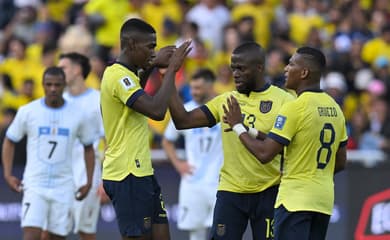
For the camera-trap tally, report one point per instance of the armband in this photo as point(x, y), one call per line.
point(253, 132)
point(239, 129)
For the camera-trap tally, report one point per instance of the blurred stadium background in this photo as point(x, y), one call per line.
point(354, 34)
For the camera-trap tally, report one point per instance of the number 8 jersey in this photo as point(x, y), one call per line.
point(51, 133)
point(313, 128)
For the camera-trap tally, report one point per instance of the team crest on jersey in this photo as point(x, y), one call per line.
point(280, 121)
point(221, 229)
point(265, 106)
point(127, 83)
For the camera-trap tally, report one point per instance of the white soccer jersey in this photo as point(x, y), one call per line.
point(89, 101)
point(51, 134)
point(203, 148)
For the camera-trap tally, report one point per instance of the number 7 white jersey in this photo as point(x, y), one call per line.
point(51, 133)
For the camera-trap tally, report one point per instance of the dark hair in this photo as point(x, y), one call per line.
point(80, 60)
point(316, 56)
point(253, 50)
point(49, 47)
point(135, 25)
point(204, 73)
point(56, 71)
point(131, 28)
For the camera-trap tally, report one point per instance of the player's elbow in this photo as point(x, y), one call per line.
point(265, 157)
point(157, 116)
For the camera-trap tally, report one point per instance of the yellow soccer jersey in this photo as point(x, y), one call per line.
point(241, 171)
point(126, 130)
point(313, 128)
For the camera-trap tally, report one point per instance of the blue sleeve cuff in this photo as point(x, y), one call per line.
point(279, 139)
point(134, 97)
point(209, 115)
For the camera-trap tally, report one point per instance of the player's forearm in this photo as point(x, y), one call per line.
point(255, 147)
point(159, 103)
point(8, 150)
point(144, 75)
point(341, 159)
point(89, 156)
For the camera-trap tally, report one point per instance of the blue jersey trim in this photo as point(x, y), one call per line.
point(343, 143)
point(279, 139)
point(134, 97)
point(209, 115)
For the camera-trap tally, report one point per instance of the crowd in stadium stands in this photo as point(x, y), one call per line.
point(354, 34)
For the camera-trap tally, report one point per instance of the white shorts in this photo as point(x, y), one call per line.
point(196, 206)
point(46, 213)
point(86, 213)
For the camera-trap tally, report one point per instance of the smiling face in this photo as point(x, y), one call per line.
point(244, 73)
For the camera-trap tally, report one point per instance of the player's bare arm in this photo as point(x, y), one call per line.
point(8, 155)
point(341, 159)
point(156, 106)
point(89, 156)
point(264, 150)
point(184, 119)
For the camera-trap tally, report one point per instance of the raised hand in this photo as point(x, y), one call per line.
point(163, 56)
point(232, 112)
point(179, 55)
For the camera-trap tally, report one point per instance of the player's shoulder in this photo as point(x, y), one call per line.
point(118, 70)
point(286, 93)
point(32, 106)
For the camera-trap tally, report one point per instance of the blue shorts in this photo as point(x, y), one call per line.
point(138, 204)
point(233, 211)
point(300, 225)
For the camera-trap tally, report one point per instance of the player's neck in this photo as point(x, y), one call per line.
point(309, 87)
point(77, 88)
point(131, 66)
point(55, 103)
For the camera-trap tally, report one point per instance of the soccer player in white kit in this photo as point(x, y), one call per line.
point(86, 212)
point(52, 125)
point(204, 157)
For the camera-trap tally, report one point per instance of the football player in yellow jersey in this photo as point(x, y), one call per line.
point(247, 189)
point(127, 167)
point(312, 128)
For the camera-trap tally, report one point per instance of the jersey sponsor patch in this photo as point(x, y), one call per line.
point(127, 83)
point(280, 121)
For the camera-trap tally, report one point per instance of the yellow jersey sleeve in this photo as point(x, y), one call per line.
point(126, 130)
